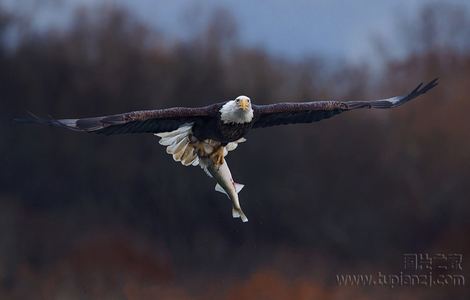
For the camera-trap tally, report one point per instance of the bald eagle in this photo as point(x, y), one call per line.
point(194, 135)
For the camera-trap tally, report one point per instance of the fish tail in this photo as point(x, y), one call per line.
point(235, 213)
point(238, 213)
point(242, 216)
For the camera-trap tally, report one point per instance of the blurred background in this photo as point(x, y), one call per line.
point(95, 217)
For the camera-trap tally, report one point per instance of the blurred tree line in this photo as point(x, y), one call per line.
point(362, 186)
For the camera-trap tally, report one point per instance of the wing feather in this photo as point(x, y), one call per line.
point(160, 120)
point(308, 112)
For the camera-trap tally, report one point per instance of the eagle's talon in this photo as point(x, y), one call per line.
point(218, 157)
point(220, 160)
point(199, 149)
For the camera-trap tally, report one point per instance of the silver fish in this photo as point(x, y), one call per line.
point(225, 184)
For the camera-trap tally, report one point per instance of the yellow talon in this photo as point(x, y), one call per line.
point(218, 156)
point(199, 148)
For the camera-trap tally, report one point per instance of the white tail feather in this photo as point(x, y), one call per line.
point(178, 144)
point(168, 141)
point(189, 156)
point(181, 145)
point(176, 147)
point(180, 150)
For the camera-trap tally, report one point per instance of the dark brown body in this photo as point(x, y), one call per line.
point(215, 129)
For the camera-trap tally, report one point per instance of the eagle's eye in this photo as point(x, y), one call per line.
point(238, 100)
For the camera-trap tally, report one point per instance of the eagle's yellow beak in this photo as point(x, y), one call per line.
point(244, 104)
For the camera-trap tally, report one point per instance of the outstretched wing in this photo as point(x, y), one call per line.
point(308, 112)
point(160, 120)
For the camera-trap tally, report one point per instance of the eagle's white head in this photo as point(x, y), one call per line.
point(237, 111)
